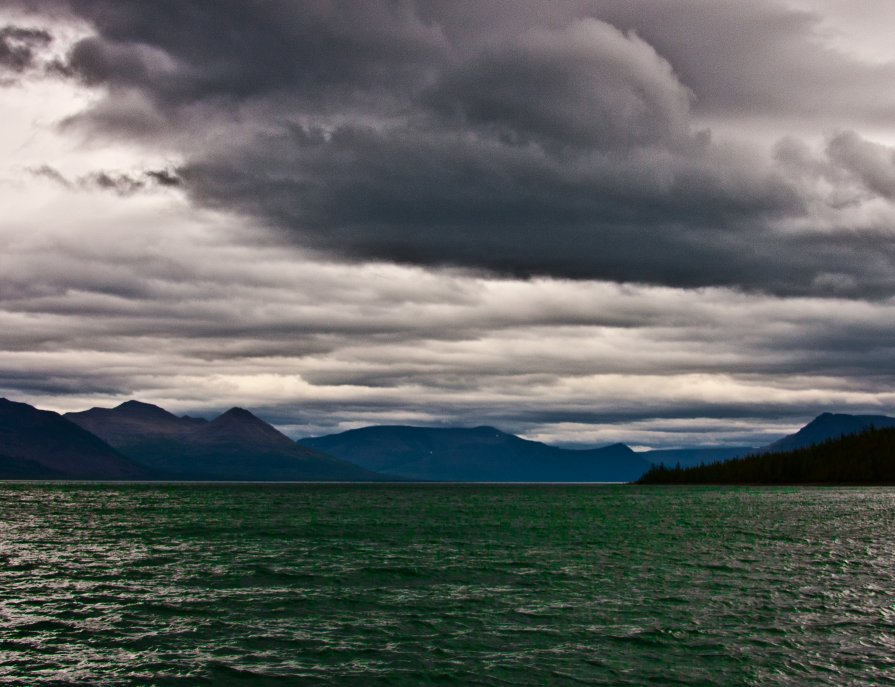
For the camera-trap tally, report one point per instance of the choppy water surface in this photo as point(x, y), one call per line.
point(374, 584)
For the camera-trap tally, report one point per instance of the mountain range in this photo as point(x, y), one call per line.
point(233, 446)
point(41, 444)
point(480, 454)
point(141, 441)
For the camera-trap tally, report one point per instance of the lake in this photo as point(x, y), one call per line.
point(311, 584)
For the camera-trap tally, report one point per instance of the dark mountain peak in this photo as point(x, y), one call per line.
point(135, 404)
point(240, 418)
point(238, 414)
point(138, 409)
point(827, 418)
point(240, 426)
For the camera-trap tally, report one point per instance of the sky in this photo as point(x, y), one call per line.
point(664, 223)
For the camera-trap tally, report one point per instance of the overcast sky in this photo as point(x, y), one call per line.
point(664, 223)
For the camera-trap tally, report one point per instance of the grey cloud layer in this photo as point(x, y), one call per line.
point(508, 138)
point(174, 315)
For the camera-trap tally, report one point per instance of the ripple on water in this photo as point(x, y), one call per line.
point(410, 584)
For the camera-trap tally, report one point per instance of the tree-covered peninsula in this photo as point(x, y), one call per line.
point(866, 458)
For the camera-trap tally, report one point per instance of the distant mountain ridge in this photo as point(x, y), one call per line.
point(476, 454)
point(236, 445)
point(41, 444)
point(487, 454)
point(137, 440)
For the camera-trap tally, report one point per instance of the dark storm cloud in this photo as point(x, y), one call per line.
point(587, 85)
point(236, 50)
point(422, 199)
point(19, 47)
point(505, 136)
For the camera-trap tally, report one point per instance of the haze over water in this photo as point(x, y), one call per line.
point(425, 584)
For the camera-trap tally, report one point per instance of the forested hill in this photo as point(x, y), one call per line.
point(866, 458)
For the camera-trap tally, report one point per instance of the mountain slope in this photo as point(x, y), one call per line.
point(828, 426)
point(477, 454)
point(40, 444)
point(866, 458)
point(234, 446)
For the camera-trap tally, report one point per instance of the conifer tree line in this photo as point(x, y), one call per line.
point(866, 458)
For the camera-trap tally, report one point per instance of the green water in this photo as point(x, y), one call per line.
point(416, 584)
